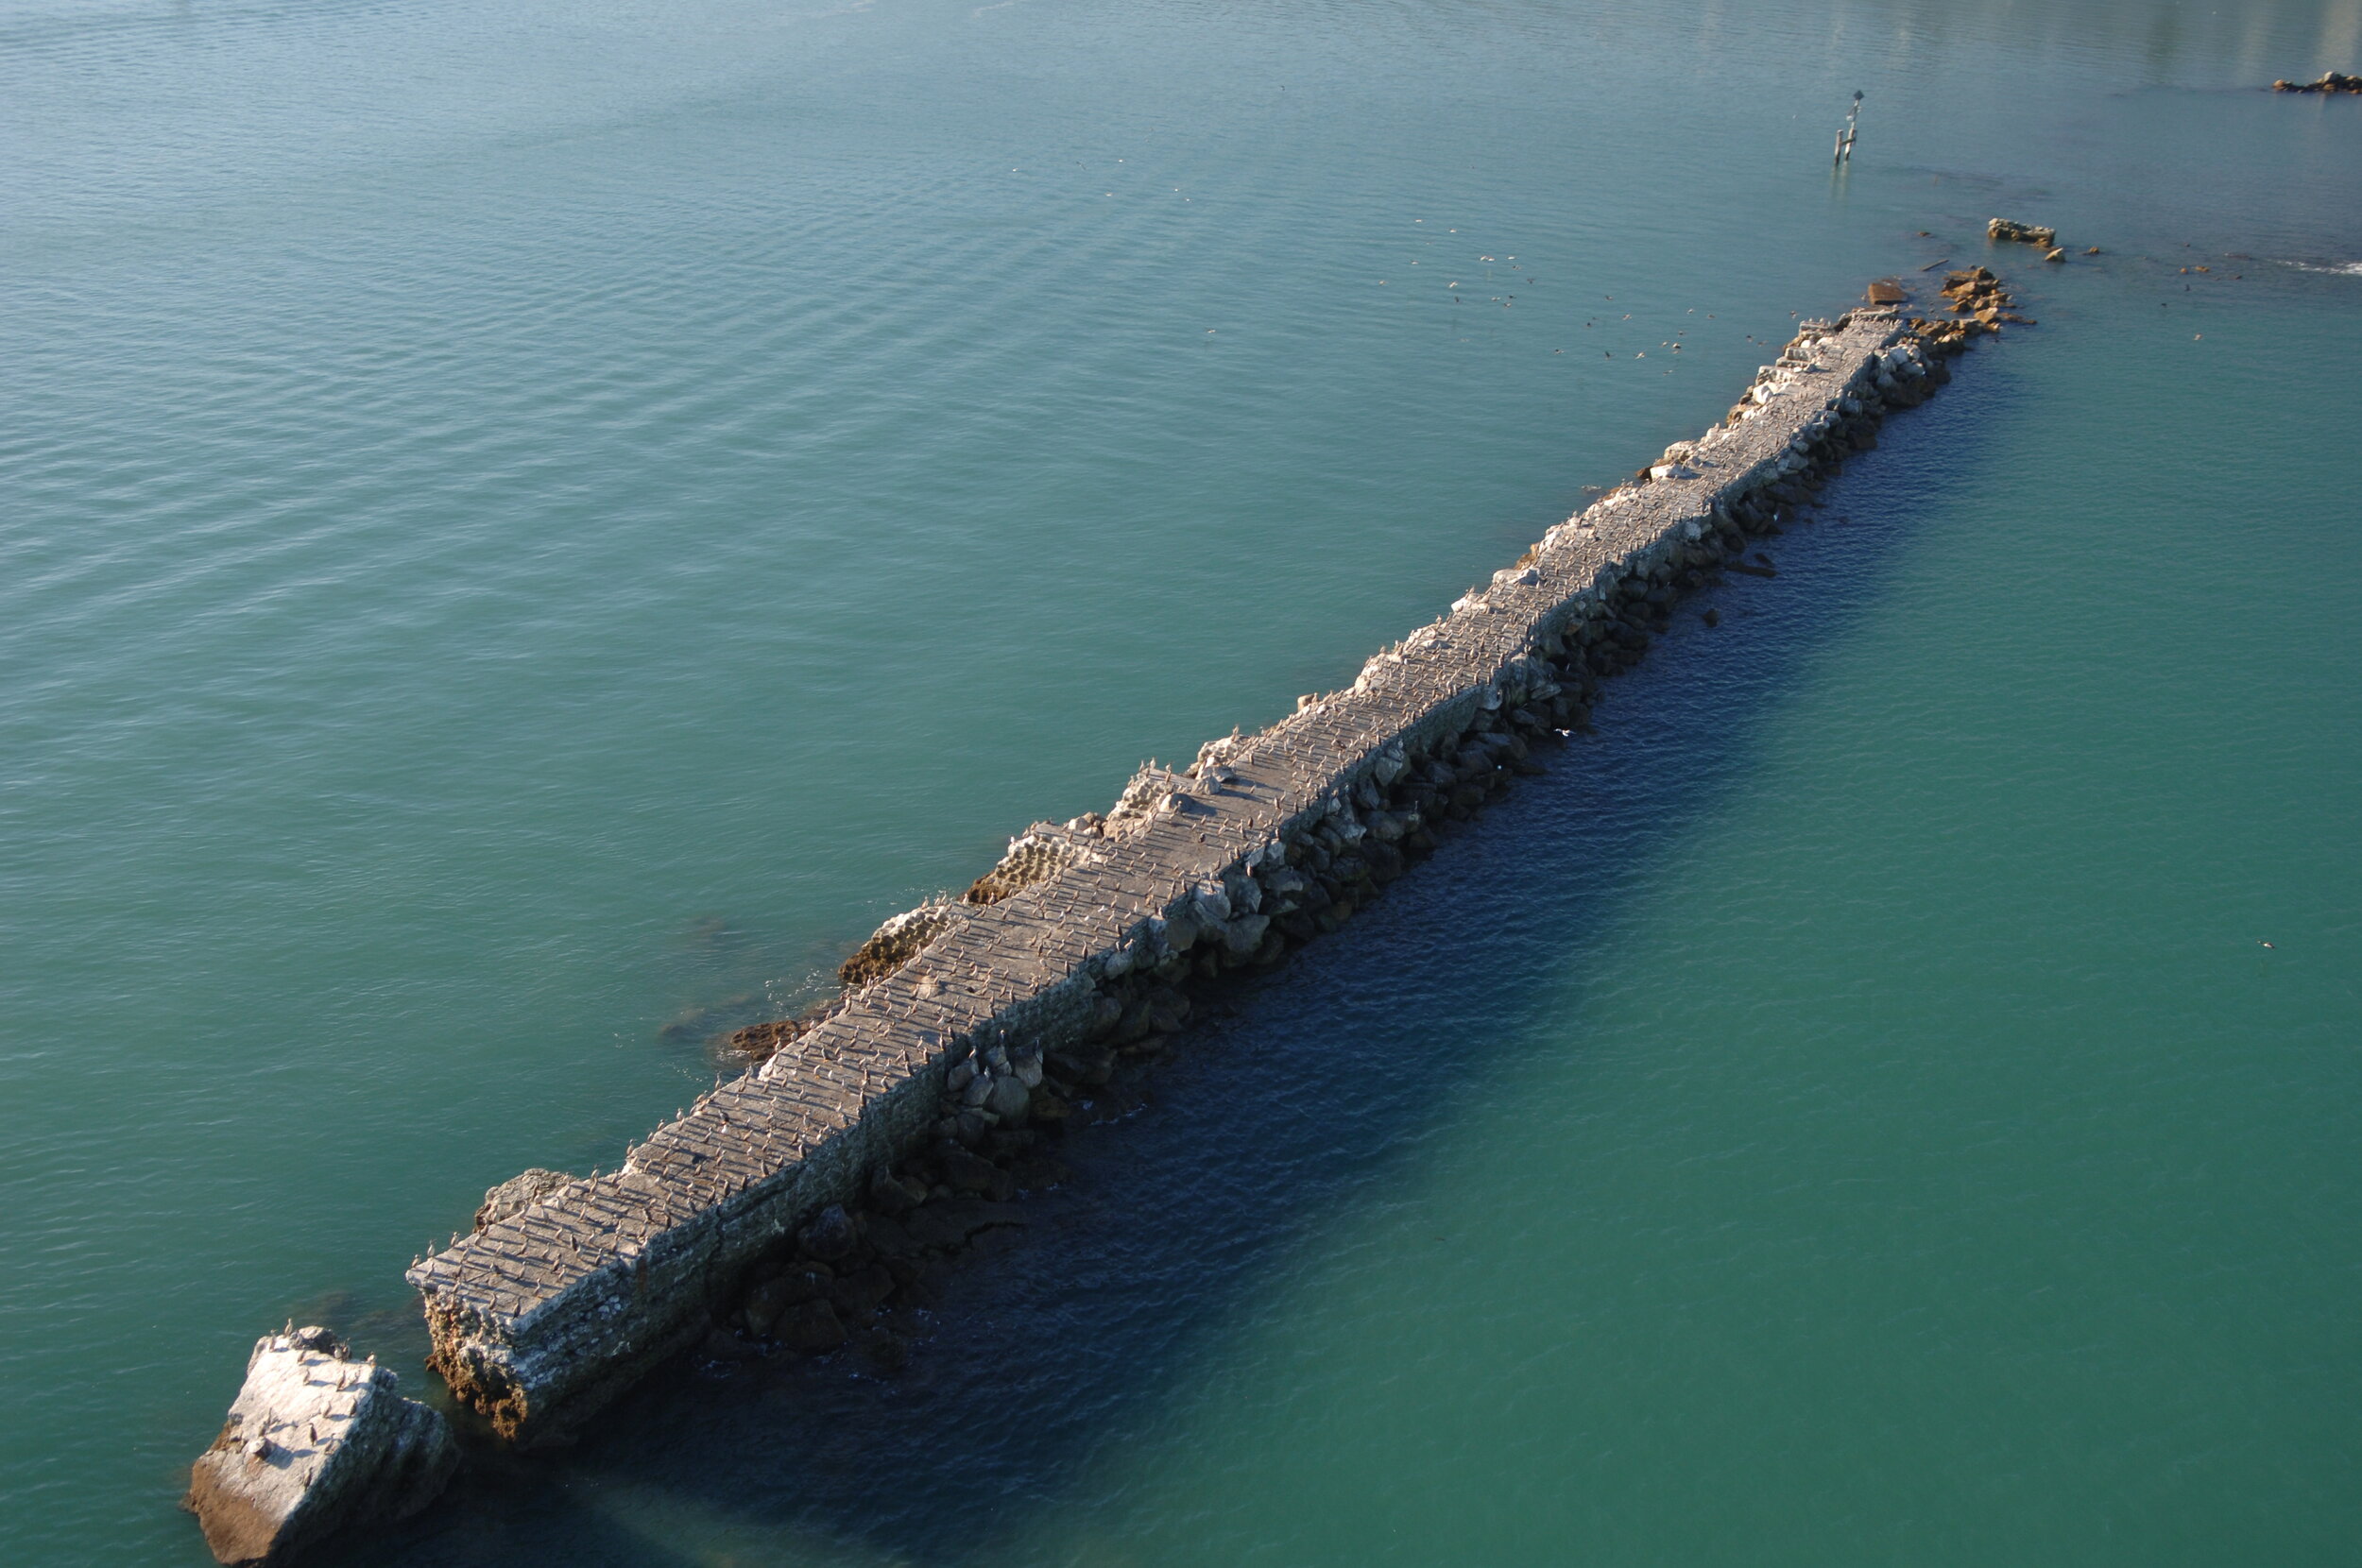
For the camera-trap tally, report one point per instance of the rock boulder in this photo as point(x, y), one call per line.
point(2024, 233)
point(316, 1442)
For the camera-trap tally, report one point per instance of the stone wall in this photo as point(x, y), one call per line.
point(543, 1314)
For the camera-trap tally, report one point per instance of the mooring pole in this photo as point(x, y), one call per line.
point(1844, 153)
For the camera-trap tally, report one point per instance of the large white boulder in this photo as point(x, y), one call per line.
point(315, 1441)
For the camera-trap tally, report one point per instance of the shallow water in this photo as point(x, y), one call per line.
point(525, 532)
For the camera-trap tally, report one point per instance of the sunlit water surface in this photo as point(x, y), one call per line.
point(526, 528)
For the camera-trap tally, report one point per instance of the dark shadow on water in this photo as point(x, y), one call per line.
point(1263, 1126)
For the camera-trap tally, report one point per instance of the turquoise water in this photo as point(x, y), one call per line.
point(525, 529)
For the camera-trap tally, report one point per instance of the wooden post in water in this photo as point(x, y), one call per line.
point(1844, 153)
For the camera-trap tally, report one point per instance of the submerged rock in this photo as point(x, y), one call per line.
point(2331, 82)
point(898, 940)
point(316, 1442)
point(891, 1194)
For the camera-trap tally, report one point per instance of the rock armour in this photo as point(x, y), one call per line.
point(1082, 935)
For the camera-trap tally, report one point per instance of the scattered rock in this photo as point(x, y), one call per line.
point(315, 1442)
point(2331, 82)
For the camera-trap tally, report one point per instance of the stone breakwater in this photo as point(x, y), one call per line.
point(899, 1117)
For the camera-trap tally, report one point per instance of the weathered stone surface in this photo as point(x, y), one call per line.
point(541, 1316)
point(519, 1193)
point(315, 1442)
